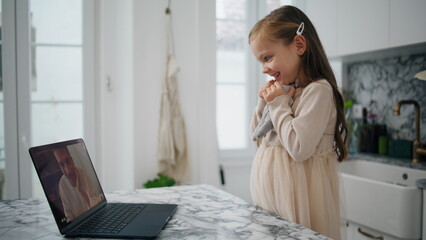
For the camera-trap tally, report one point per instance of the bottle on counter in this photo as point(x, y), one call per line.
point(371, 131)
point(356, 124)
point(374, 132)
point(383, 140)
point(364, 132)
point(348, 117)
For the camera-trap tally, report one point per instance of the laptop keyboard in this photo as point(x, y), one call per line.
point(111, 219)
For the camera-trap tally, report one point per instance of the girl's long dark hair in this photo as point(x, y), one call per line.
point(282, 24)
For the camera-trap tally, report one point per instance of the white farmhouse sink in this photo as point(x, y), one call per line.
point(384, 197)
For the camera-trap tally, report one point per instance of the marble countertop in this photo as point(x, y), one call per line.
point(402, 162)
point(204, 212)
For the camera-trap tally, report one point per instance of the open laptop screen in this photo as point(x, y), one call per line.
point(68, 179)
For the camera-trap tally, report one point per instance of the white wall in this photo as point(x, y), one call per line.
point(133, 54)
point(237, 178)
point(115, 161)
point(194, 35)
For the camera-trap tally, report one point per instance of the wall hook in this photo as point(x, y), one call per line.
point(168, 10)
point(109, 84)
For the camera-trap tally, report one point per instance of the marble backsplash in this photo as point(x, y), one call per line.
point(379, 84)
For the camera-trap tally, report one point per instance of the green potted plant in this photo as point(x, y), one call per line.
point(160, 181)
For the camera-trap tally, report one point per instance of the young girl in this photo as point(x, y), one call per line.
point(294, 173)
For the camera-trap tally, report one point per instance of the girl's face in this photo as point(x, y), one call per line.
point(278, 60)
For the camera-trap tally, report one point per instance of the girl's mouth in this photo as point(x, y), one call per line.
point(276, 75)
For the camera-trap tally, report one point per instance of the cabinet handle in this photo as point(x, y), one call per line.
point(369, 234)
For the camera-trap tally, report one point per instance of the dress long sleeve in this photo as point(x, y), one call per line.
point(257, 115)
point(300, 135)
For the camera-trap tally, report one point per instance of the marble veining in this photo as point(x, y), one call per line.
point(204, 212)
point(387, 81)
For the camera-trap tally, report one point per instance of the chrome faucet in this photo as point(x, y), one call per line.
point(418, 150)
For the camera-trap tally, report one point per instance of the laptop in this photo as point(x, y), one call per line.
point(77, 200)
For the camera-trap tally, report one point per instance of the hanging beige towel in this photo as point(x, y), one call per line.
point(172, 143)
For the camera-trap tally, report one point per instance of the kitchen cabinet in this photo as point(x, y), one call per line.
point(407, 22)
point(359, 232)
point(325, 23)
point(349, 231)
point(362, 26)
point(351, 27)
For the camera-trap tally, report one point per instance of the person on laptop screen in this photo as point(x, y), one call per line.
point(75, 187)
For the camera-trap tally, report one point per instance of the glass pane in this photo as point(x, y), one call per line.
point(57, 74)
point(231, 74)
point(52, 122)
point(230, 35)
point(57, 21)
point(231, 67)
point(231, 9)
point(232, 127)
point(56, 69)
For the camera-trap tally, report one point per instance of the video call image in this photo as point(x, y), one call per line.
point(69, 181)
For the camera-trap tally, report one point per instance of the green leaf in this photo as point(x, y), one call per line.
point(160, 181)
point(348, 103)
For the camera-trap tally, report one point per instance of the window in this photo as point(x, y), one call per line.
point(57, 78)
point(56, 73)
point(231, 89)
point(238, 72)
point(46, 53)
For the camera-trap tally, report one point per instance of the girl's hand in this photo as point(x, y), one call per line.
point(264, 87)
point(276, 90)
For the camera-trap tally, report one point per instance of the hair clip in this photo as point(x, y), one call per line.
point(300, 28)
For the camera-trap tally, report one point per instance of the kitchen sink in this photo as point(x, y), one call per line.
point(384, 197)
